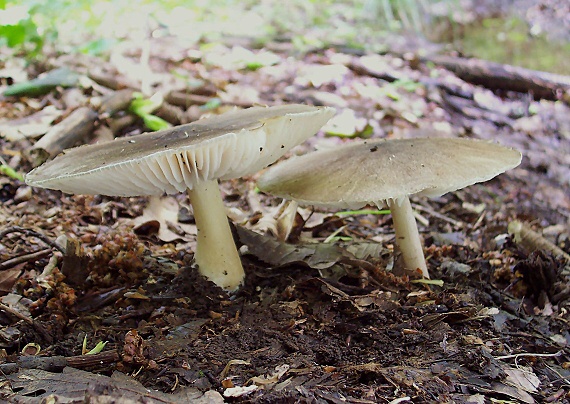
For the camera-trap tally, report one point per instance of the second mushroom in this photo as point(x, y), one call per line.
point(190, 157)
point(388, 171)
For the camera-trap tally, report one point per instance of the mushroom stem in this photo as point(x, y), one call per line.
point(407, 235)
point(216, 253)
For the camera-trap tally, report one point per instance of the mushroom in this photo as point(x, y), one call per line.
point(388, 171)
point(189, 157)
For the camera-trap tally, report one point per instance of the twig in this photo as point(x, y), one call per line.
point(16, 313)
point(516, 356)
point(532, 240)
point(57, 363)
point(32, 233)
point(438, 215)
point(76, 127)
point(85, 361)
point(24, 258)
point(40, 329)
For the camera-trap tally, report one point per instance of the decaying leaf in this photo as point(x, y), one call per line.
point(8, 278)
point(277, 253)
point(522, 378)
point(272, 378)
point(32, 385)
point(240, 390)
point(30, 126)
point(347, 124)
point(319, 75)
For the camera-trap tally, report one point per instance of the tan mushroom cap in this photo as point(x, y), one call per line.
point(374, 171)
point(226, 146)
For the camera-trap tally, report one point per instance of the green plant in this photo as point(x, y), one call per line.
point(18, 29)
point(143, 108)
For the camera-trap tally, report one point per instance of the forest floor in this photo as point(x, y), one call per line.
point(316, 328)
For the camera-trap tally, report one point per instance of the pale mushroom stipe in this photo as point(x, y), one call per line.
point(190, 157)
point(388, 171)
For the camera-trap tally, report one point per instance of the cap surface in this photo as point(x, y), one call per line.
point(226, 146)
point(358, 174)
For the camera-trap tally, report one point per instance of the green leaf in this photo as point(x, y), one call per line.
point(62, 77)
point(10, 172)
point(211, 104)
point(143, 108)
point(155, 123)
point(14, 34)
point(97, 46)
point(98, 348)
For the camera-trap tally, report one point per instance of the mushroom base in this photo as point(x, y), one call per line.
point(216, 253)
point(407, 236)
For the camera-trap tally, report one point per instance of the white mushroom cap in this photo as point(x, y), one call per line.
point(227, 146)
point(375, 171)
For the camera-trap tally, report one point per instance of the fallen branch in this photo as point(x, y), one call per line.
point(32, 233)
point(57, 363)
point(77, 126)
point(116, 101)
point(184, 99)
point(498, 76)
point(170, 113)
point(12, 262)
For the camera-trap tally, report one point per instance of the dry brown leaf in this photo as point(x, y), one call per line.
point(8, 278)
point(319, 75)
point(30, 126)
point(276, 253)
point(73, 384)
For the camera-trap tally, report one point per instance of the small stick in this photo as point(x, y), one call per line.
point(183, 99)
point(532, 240)
point(37, 326)
point(57, 363)
point(24, 258)
point(170, 113)
point(85, 361)
point(16, 313)
point(77, 126)
point(519, 355)
point(430, 211)
point(31, 233)
point(116, 101)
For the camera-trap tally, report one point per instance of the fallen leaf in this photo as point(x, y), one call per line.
point(522, 378)
point(8, 278)
point(30, 126)
point(274, 252)
point(240, 95)
point(347, 124)
point(240, 391)
point(319, 75)
point(73, 384)
point(272, 378)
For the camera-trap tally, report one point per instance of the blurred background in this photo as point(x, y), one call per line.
point(529, 33)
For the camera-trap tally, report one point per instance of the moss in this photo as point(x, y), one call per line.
point(508, 41)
